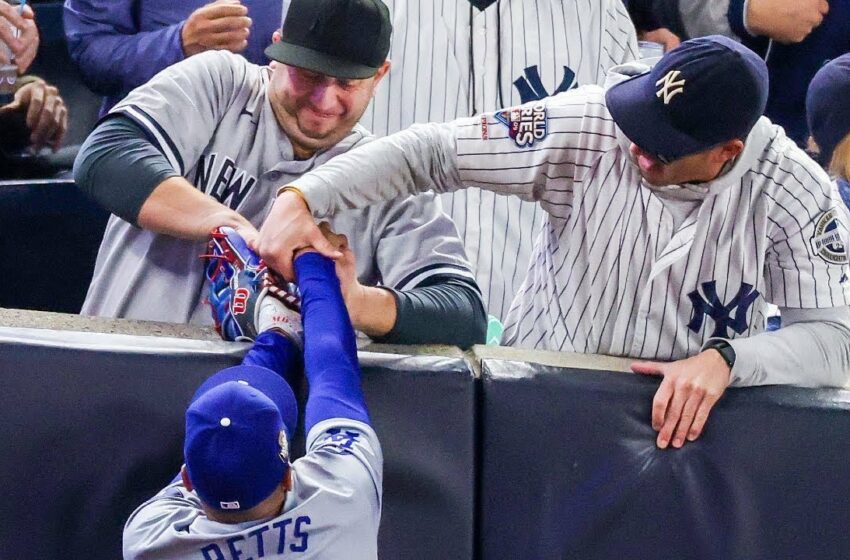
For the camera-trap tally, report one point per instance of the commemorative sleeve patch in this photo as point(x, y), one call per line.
point(829, 241)
point(526, 125)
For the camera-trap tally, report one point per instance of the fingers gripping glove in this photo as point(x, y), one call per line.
point(244, 297)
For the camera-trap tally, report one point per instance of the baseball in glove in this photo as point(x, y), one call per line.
point(245, 297)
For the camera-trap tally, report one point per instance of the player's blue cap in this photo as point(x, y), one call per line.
point(238, 428)
point(828, 106)
point(704, 92)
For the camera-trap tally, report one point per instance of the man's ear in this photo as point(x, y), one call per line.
point(184, 474)
point(731, 150)
point(276, 37)
point(382, 71)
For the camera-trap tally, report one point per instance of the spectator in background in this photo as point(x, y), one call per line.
point(828, 112)
point(121, 44)
point(36, 117)
point(649, 25)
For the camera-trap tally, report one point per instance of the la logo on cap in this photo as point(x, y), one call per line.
point(670, 86)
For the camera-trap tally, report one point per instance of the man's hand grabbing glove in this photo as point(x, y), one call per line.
point(245, 297)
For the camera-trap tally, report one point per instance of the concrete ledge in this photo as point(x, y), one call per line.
point(24, 319)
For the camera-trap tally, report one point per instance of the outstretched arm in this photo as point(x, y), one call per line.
point(330, 350)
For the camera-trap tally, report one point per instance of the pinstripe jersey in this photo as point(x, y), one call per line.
point(519, 51)
point(613, 271)
point(211, 117)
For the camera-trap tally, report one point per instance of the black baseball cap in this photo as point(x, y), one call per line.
point(341, 38)
point(702, 93)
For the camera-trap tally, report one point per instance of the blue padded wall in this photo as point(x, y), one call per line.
point(570, 470)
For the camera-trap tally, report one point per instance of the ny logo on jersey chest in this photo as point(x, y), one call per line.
point(732, 315)
point(531, 87)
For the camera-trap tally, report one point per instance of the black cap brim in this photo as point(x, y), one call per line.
point(302, 57)
point(633, 105)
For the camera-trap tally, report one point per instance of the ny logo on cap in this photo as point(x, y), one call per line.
point(669, 86)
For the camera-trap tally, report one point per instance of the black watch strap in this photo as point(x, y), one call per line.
point(725, 349)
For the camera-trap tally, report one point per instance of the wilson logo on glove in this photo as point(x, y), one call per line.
point(240, 300)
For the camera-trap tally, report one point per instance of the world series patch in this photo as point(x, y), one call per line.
point(526, 125)
point(828, 240)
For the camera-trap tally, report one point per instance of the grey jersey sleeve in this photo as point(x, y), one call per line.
point(812, 349)
point(181, 106)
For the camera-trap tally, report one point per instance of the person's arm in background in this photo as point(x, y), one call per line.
point(37, 116)
point(657, 21)
point(24, 47)
point(114, 56)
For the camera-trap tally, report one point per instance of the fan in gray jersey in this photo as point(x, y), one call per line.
point(675, 214)
point(208, 141)
point(237, 495)
point(456, 58)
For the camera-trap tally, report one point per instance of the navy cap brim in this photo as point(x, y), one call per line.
point(638, 114)
point(302, 57)
point(264, 380)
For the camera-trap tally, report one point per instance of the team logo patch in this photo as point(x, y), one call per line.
point(829, 240)
point(732, 315)
point(526, 125)
point(671, 86)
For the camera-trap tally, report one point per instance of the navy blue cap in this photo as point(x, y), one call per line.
point(704, 92)
point(828, 106)
point(238, 428)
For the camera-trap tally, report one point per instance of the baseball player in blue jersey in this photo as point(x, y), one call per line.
point(675, 214)
point(238, 495)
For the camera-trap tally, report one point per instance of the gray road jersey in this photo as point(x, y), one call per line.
point(332, 511)
point(210, 115)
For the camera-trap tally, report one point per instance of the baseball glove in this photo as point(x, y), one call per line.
point(245, 297)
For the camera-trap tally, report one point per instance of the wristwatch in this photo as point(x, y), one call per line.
point(725, 349)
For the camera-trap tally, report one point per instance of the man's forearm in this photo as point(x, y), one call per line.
point(178, 209)
point(373, 310)
point(812, 351)
point(122, 171)
point(412, 161)
point(330, 349)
